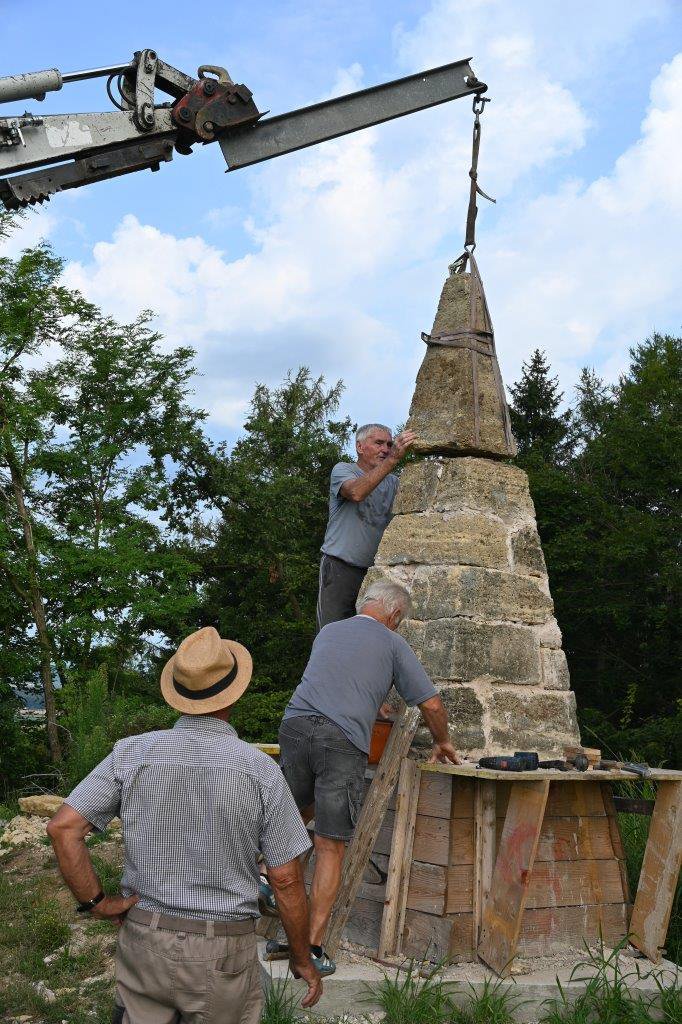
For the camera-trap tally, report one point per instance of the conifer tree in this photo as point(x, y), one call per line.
point(538, 426)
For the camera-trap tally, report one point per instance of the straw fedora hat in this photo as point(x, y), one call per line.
point(206, 673)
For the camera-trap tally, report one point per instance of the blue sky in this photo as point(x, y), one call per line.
point(335, 257)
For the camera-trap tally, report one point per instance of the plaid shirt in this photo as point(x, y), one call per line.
point(197, 806)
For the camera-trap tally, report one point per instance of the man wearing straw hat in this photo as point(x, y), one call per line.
point(197, 807)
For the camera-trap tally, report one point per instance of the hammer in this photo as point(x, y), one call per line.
point(643, 770)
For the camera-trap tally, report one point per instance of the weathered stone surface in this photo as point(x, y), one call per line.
point(462, 538)
point(542, 721)
point(443, 592)
point(549, 634)
point(454, 382)
point(459, 649)
point(43, 804)
point(413, 632)
point(465, 483)
point(527, 552)
point(555, 675)
point(465, 714)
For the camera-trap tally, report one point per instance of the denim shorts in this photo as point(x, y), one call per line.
point(322, 767)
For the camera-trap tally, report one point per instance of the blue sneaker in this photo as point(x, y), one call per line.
point(324, 963)
point(267, 903)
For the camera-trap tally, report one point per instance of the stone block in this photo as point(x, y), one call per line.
point(444, 592)
point(459, 538)
point(527, 552)
point(549, 634)
point(459, 649)
point(42, 804)
point(465, 714)
point(485, 485)
point(555, 675)
point(540, 721)
point(459, 405)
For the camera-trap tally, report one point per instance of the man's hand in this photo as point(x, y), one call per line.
point(114, 908)
point(312, 978)
point(401, 443)
point(444, 752)
point(386, 711)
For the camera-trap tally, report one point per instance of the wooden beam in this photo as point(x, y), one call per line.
point(485, 828)
point(504, 908)
point(400, 862)
point(660, 871)
point(369, 823)
point(555, 774)
point(617, 841)
point(626, 805)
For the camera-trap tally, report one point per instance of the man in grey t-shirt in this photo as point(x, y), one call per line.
point(360, 502)
point(325, 734)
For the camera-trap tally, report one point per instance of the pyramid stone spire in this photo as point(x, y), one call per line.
point(464, 541)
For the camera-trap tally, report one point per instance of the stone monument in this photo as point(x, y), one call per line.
point(464, 541)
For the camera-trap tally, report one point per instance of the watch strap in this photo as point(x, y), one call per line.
point(84, 908)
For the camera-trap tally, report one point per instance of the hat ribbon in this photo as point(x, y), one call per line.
point(210, 691)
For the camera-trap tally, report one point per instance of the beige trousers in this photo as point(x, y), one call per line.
point(166, 977)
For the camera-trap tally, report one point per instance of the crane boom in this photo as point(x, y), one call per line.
point(43, 155)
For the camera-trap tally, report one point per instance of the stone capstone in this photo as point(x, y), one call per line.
point(482, 485)
point(463, 538)
point(460, 649)
point(459, 405)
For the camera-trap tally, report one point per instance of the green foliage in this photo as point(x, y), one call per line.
point(280, 1005)
point(495, 1003)
point(539, 427)
point(261, 560)
point(258, 714)
point(609, 513)
point(413, 996)
point(94, 719)
point(606, 998)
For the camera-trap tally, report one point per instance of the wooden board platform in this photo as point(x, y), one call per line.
point(512, 863)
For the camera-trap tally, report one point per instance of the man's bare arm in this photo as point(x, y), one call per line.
point(358, 489)
point(67, 831)
point(292, 903)
point(436, 718)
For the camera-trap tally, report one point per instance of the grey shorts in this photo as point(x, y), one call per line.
point(323, 767)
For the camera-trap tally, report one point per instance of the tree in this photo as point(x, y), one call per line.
point(262, 556)
point(609, 517)
point(85, 466)
point(538, 426)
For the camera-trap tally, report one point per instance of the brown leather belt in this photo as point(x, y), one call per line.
point(168, 923)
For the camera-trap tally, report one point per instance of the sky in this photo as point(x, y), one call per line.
point(334, 258)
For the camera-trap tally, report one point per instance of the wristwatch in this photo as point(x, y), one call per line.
point(85, 908)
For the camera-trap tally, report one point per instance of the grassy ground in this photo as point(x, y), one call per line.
point(75, 984)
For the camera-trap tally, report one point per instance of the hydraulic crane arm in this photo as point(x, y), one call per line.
point(63, 151)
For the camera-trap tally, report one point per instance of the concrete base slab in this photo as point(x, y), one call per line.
point(352, 989)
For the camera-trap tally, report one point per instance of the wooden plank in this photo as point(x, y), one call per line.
point(617, 841)
point(581, 801)
point(460, 889)
point(370, 822)
point(503, 911)
point(660, 871)
point(426, 890)
point(624, 805)
point(574, 839)
point(557, 929)
point(427, 937)
point(431, 839)
point(469, 770)
point(485, 842)
point(400, 860)
point(363, 926)
point(576, 883)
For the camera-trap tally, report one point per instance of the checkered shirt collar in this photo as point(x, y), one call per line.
point(205, 722)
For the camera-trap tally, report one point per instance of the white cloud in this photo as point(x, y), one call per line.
point(349, 242)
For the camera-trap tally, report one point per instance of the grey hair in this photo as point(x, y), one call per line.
point(391, 595)
point(362, 432)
